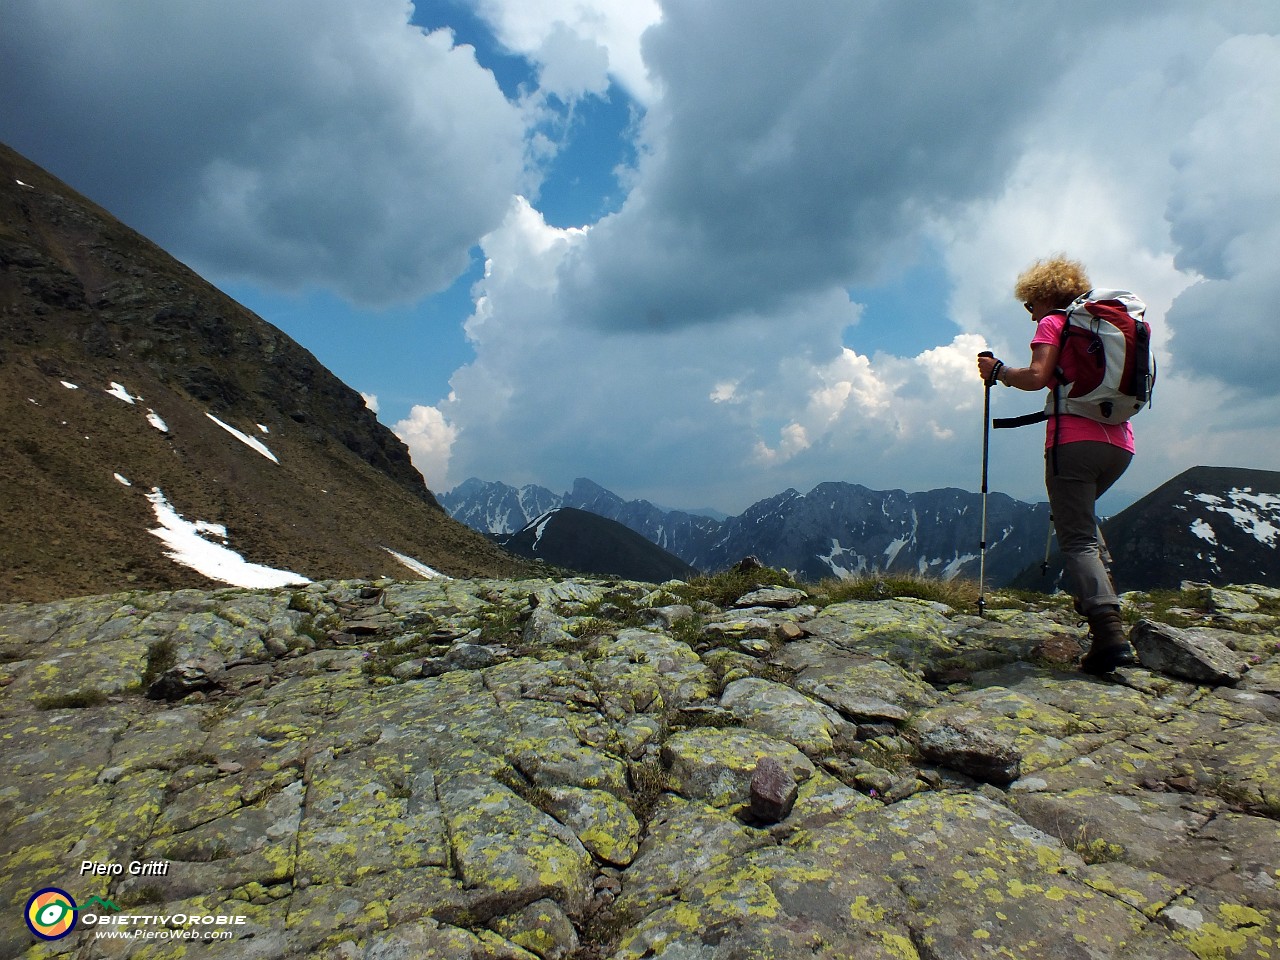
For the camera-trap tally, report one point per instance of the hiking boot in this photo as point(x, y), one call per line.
point(1109, 647)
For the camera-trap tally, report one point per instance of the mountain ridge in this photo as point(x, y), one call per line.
point(837, 529)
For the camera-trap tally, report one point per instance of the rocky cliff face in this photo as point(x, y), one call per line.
point(837, 529)
point(587, 769)
point(123, 375)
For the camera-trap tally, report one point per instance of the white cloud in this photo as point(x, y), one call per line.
point(430, 438)
point(291, 143)
point(578, 44)
point(794, 439)
point(690, 346)
point(1224, 211)
point(724, 392)
point(719, 413)
point(693, 341)
point(790, 151)
point(370, 401)
point(572, 65)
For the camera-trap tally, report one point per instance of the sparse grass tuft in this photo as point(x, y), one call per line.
point(1164, 605)
point(959, 594)
point(317, 627)
point(524, 788)
point(499, 624)
point(162, 655)
point(1095, 849)
point(382, 661)
point(686, 630)
point(78, 700)
point(727, 586)
point(649, 781)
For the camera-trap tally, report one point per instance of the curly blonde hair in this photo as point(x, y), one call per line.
point(1057, 279)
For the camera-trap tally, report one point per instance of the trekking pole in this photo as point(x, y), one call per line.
point(1048, 543)
point(986, 446)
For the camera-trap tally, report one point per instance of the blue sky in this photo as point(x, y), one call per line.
point(702, 251)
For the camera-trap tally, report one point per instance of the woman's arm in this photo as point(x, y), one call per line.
point(1044, 360)
point(1037, 376)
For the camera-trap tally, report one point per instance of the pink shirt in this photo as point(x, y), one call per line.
point(1072, 429)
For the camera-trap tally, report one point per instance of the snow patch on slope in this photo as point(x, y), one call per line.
point(417, 566)
point(120, 393)
point(189, 545)
point(244, 438)
point(1257, 514)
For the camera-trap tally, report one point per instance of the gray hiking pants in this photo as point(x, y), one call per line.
point(1086, 470)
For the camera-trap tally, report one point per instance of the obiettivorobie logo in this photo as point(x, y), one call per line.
point(51, 913)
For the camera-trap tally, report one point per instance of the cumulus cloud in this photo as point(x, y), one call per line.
point(719, 413)
point(430, 440)
point(695, 339)
point(291, 143)
point(791, 149)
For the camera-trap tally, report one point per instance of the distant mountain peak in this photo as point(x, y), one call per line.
point(590, 544)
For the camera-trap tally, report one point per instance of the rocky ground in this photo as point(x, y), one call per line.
point(548, 769)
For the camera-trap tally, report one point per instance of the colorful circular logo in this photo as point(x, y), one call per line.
point(51, 913)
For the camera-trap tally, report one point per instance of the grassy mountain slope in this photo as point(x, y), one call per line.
point(86, 302)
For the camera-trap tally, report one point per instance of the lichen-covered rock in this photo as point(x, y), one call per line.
point(781, 598)
point(541, 928)
point(502, 844)
point(1182, 653)
point(198, 673)
point(515, 770)
point(779, 711)
point(716, 765)
point(909, 634)
point(603, 824)
point(861, 688)
point(966, 744)
point(1231, 601)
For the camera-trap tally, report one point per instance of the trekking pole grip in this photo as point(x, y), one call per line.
point(987, 353)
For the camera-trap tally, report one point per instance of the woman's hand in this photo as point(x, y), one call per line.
point(987, 364)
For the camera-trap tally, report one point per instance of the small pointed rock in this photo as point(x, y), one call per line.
point(773, 791)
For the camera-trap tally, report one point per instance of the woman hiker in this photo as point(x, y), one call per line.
point(1090, 456)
